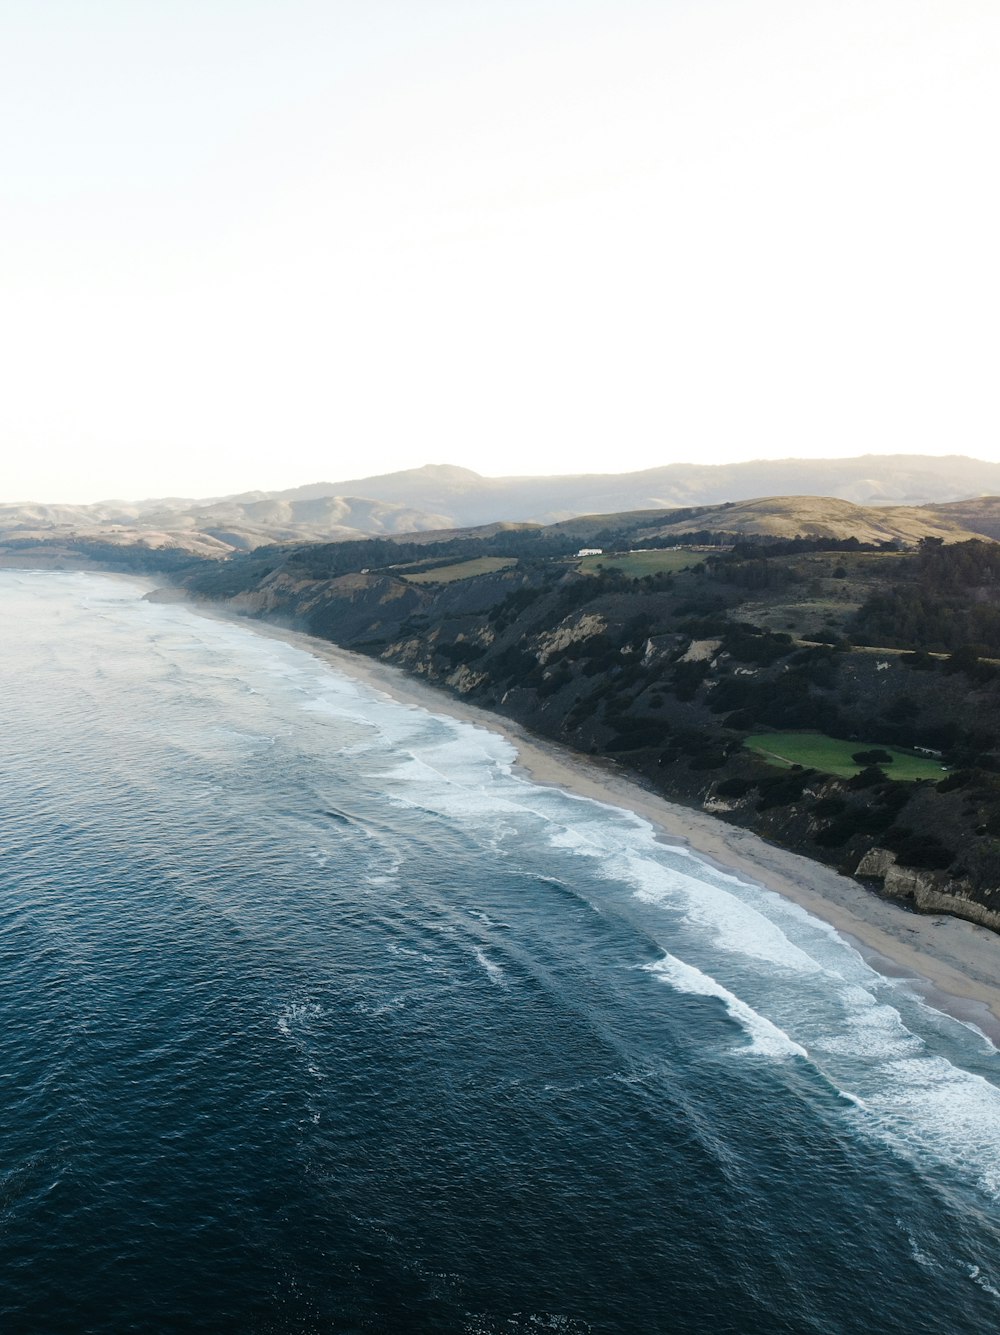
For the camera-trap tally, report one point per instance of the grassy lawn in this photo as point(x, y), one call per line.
point(638, 564)
point(481, 565)
point(813, 750)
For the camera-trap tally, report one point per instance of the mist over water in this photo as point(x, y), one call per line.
point(315, 1017)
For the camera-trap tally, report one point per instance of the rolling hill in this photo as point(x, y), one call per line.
point(948, 494)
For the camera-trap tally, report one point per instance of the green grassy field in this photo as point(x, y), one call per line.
point(638, 564)
point(482, 565)
point(813, 750)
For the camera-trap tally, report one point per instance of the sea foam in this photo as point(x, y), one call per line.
point(766, 1038)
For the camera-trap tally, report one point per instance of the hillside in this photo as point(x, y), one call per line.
point(219, 527)
point(981, 514)
point(819, 517)
point(129, 547)
point(771, 517)
point(442, 497)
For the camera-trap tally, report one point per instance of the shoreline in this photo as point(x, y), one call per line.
point(951, 964)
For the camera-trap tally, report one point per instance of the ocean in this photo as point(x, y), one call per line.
point(317, 1017)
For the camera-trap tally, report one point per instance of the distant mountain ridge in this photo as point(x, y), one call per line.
point(866, 480)
point(446, 497)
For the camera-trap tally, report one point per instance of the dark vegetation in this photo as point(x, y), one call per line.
point(950, 603)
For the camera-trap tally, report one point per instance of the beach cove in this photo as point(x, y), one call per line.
point(954, 964)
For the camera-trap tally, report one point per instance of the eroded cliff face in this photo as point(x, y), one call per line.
point(926, 891)
point(627, 673)
point(570, 631)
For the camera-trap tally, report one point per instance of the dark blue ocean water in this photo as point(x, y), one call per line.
point(313, 1017)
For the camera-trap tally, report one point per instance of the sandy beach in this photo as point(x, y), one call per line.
point(953, 965)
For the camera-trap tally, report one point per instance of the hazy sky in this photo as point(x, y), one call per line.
point(263, 242)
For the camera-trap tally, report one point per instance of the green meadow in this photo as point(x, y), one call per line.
point(813, 750)
point(638, 564)
point(481, 565)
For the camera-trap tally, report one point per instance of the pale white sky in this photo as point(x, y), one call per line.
point(263, 242)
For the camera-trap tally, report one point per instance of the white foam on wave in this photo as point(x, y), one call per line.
point(494, 972)
point(405, 952)
point(733, 924)
point(920, 1256)
point(449, 750)
point(450, 794)
point(976, 1275)
point(766, 1038)
point(379, 1008)
point(629, 852)
point(920, 1103)
point(928, 1103)
point(296, 1017)
point(458, 762)
point(923, 1105)
point(487, 921)
point(381, 881)
point(871, 1029)
point(528, 1323)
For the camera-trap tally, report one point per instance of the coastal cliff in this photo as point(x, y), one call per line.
point(681, 677)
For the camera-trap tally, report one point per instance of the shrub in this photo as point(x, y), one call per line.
point(687, 677)
point(919, 661)
point(549, 685)
point(461, 651)
point(709, 760)
point(833, 835)
point(920, 850)
point(784, 789)
point(875, 757)
point(852, 821)
point(959, 779)
point(742, 720)
point(829, 806)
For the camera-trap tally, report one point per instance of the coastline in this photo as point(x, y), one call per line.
point(953, 965)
